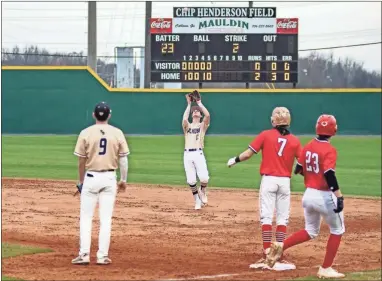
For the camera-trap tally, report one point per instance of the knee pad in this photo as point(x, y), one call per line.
point(313, 233)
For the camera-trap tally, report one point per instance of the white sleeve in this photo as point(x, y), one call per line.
point(123, 167)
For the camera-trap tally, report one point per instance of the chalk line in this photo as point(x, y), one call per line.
point(202, 277)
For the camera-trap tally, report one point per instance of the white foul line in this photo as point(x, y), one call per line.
point(202, 277)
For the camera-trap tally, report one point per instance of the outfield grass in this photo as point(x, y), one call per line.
point(159, 160)
point(365, 275)
point(13, 250)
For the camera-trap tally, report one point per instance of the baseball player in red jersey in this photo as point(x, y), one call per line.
point(279, 150)
point(322, 197)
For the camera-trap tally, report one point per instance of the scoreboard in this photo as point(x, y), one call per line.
point(178, 56)
point(224, 58)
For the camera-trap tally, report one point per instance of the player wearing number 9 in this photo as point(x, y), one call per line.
point(100, 148)
point(279, 150)
point(322, 197)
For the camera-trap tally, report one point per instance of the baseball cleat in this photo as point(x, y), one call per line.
point(198, 203)
point(83, 259)
point(274, 254)
point(103, 261)
point(329, 273)
point(203, 195)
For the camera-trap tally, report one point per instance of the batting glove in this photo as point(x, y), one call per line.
point(79, 187)
point(231, 162)
point(340, 205)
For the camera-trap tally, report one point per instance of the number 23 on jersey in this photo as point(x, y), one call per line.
point(311, 162)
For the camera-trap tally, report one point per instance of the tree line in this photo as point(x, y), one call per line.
point(315, 70)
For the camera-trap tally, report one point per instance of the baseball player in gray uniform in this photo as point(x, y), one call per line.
point(100, 149)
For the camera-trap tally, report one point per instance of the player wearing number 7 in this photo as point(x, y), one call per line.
point(322, 197)
point(279, 150)
point(100, 148)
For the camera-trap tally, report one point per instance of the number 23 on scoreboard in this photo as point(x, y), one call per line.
point(167, 48)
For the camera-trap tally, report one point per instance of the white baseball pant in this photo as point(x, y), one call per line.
point(100, 186)
point(274, 192)
point(195, 164)
point(317, 204)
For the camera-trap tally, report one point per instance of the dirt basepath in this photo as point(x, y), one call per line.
point(157, 235)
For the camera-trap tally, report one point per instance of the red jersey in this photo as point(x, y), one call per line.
point(278, 152)
point(317, 157)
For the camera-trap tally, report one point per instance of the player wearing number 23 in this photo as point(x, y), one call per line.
point(100, 148)
point(322, 197)
point(194, 161)
point(279, 149)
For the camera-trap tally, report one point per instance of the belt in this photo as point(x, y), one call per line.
point(193, 149)
point(103, 171)
point(268, 175)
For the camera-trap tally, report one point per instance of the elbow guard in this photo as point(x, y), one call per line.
point(123, 167)
point(298, 169)
point(331, 180)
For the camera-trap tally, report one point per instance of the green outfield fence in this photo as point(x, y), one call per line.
point(60, 100)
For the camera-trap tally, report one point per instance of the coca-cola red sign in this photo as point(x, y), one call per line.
point(287, 26)
point(161, 25)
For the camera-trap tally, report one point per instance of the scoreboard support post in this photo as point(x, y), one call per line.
point(147, 70)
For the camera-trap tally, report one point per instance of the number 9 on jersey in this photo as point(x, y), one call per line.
point(102, 146)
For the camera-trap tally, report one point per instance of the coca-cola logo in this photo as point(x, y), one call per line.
point(161, 24)
point(287, 24)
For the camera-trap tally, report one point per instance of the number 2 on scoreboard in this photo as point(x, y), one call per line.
point(235, 48)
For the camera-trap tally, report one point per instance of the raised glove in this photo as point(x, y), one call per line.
point(340, 205)
point(195, 96)
point(79, 187)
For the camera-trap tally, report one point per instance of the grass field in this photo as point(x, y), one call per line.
point(159, 160)
point(13, 250)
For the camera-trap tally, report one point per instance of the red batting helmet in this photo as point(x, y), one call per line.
point(326, 125)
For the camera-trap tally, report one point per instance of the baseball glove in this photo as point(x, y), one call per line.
point(195, 96)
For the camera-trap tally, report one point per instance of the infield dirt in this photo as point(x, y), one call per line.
point(158, 235)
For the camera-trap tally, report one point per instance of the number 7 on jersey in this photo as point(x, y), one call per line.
point(282, 146)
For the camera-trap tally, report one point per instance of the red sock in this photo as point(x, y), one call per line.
point(267, 235)
point(296, 238)
point(331, 250)
point(281, 233)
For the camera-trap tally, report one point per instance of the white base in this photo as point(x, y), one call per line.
point(277, 267)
